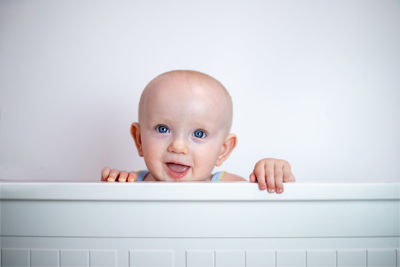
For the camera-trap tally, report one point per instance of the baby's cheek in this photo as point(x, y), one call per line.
point(205, 159)
point(152, 158)
point(154, 148)
point(155, 168)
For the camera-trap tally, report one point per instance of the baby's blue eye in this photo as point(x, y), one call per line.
point(162, 129)
point(199, 134)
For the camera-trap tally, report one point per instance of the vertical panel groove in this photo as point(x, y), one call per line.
point(336, 258)
point(307, 251)
point(245, 258)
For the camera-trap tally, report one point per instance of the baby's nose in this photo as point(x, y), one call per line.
point(179, 146)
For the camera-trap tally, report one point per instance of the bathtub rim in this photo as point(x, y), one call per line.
point(196, 191)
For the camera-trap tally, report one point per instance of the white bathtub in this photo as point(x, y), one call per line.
point(199, 224)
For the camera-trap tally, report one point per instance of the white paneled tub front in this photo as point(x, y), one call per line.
point(199, 224)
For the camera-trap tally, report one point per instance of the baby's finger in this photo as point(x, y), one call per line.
point(260, 176)
point(122, 176)
point(269, 172)
point(104, 174)
point(132, 176)
point(287, 174)
point(252, 177)
point(278, 177)
point(113, 175)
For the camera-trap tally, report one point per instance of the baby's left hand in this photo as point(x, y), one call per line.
point(271, 173)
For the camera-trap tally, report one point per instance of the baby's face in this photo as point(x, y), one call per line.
point(183, 125)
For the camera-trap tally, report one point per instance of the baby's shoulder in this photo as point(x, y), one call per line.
point(230, 177)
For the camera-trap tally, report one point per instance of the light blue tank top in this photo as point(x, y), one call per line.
point(215, 178)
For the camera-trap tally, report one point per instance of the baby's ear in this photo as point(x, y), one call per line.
point(226, 149)
point(135, 132)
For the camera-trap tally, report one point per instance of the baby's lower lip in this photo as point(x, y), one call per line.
point(177, 171)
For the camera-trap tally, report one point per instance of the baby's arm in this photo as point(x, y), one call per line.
point(115, 175)
point(271, 173)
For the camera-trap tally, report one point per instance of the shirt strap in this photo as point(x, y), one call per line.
point(141, 175)
point(217, 177)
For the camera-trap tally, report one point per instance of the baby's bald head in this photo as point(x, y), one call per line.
point(193, 91)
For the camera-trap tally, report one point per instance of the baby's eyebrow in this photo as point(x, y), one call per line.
point(161, 121)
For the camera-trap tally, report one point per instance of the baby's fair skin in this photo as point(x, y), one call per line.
point(184, 132)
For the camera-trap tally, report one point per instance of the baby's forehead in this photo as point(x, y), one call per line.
point(186, 91)
point(185, 85)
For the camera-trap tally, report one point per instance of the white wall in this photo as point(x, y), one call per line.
point(313, 82)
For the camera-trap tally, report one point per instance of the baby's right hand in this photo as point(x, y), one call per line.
point(115, 175)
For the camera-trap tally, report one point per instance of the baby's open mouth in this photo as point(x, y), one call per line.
point(177, 170)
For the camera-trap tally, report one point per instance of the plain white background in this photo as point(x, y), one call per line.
point(314, 82)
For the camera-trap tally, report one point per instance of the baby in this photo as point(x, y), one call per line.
point(184, 132)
